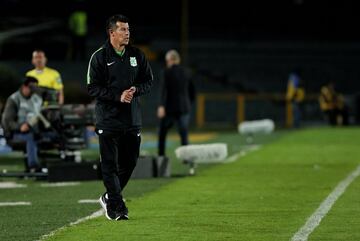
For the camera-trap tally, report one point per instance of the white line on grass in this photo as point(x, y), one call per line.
point(232, 158)
point(60, 184)
point(4, 185)
point(5, 204)
point(93, 215)
point(96, 214)
point(88, 201)
point(314, 220)
point(242, 153)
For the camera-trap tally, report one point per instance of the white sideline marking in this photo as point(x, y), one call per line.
point(5, 204)
point(4, 185)
point(242, 153)
point(60, 184)
point(88, 201)
point(93, 215)
point(314, 220)
point(96, 214)
point(232, 158)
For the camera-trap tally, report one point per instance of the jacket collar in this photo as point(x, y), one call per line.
point(110, 52)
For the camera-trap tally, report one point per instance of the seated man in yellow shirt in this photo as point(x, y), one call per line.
point(47, 77)
point(333, 105)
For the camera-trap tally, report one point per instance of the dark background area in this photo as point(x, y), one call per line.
point(241, 47)
point(243, 20)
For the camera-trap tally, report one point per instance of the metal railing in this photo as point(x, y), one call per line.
point(241, 100)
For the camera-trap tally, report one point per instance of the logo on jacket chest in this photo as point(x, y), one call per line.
point(133, 61)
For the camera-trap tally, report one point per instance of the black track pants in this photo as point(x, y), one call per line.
point(119, 152)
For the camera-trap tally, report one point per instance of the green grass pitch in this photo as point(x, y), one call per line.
point(266, 195)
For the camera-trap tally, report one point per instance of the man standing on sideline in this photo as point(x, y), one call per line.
point(48, 78)
point(117, 75)
point(177, 94)
point(295, 94)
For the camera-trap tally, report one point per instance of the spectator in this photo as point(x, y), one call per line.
point(333, 105)
point(78, 31)
point(19, 119)
point(49, 79)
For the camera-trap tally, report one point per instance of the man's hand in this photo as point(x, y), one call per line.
point(127, 95)
point(24, 127)
point(161, 112)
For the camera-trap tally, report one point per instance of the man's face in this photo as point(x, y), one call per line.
point(171, 59)
point(121, 35)
point(29, 89)
point(168, 60)
point(39, 59)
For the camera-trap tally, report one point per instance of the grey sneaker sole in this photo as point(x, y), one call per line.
point(103, 205)
point(123, 217)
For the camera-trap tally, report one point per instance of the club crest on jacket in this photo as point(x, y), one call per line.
point(133, 62)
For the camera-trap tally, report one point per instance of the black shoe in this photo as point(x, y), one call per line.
point(113, 211)
point(123, 211)
point(104, 202)
point(34, 169)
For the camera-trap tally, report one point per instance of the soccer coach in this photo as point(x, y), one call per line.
point(117, 75)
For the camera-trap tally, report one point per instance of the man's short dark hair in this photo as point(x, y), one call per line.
point(28, 80)
point(39, 50)
point(111, 22)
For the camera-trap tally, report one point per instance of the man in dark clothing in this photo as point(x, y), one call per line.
point(177, 94)
point(117, 75)
point(20, 119)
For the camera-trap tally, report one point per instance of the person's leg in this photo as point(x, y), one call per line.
point(129, 148)
point(296, 114)
point(345, 115)
point(326, 116)
point(31, 148)
point(183, 125)
point(108, 157)
point(165, 125)
point(332, 117)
